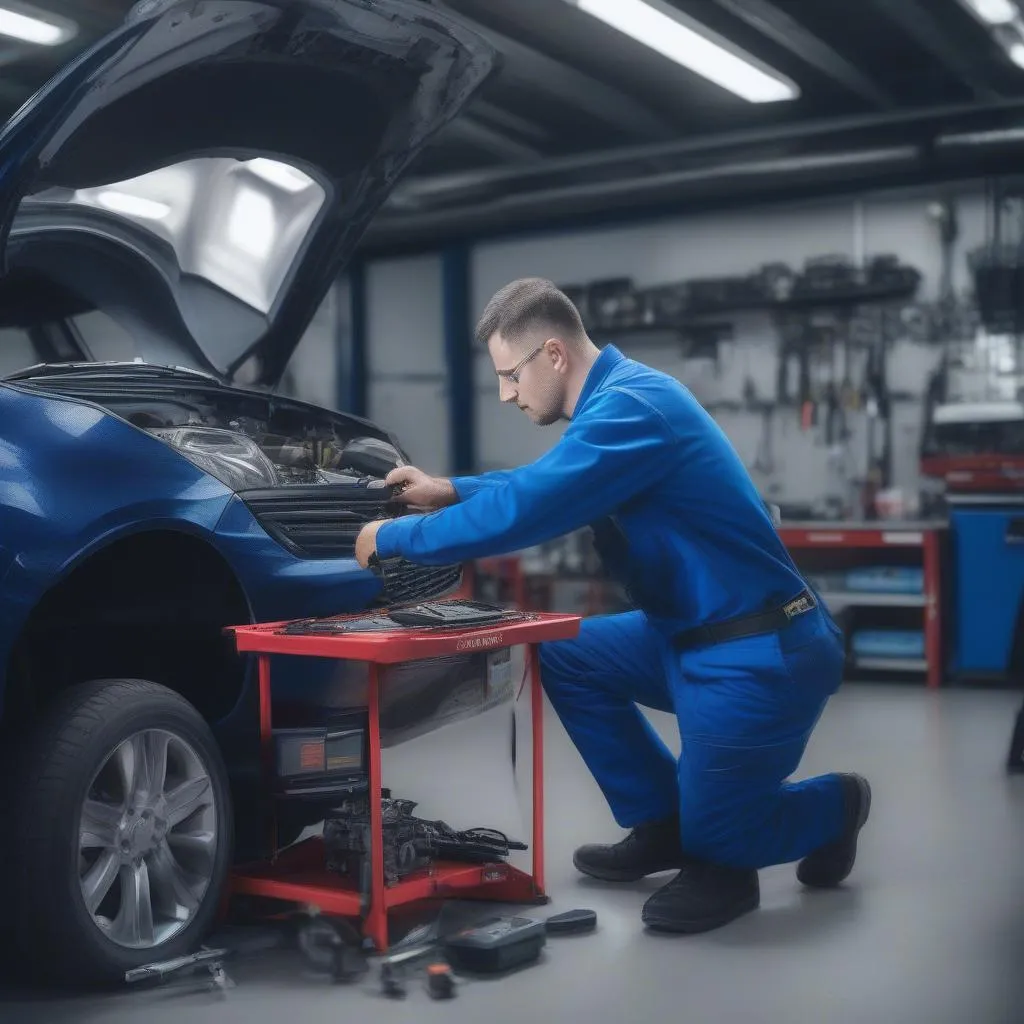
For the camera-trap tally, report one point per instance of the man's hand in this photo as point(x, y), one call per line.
point(413, 487)
point(366, 542)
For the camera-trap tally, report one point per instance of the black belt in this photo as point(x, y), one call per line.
point(768, 621)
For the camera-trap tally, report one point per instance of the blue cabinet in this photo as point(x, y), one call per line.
point(988, 548)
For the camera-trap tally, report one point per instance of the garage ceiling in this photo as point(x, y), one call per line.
point(582, 118)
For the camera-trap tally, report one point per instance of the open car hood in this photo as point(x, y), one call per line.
point(204, 173)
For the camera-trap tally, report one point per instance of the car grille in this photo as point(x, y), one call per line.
point(325, 523)
point(321, 523)
point(405, 583)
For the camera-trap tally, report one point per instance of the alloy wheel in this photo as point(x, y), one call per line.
point(147, 839)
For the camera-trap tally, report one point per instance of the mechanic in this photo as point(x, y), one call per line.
point(725, 634)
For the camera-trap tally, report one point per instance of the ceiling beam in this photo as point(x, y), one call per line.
point(783, 29)
point(919, 23)
point(873, 130)
point(534, 70)
point(497, 143)
point(498, 117)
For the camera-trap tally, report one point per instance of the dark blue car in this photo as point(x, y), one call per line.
point(182, 195)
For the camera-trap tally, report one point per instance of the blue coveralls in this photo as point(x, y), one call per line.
point(679, 521)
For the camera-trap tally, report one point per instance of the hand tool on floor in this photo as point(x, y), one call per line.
point(212, 960)
point(440, 981)
point(391, 983)
point(571, 922)
point(497, 944)
point(332, 947)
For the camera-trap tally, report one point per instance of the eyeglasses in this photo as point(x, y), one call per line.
point(513, 374)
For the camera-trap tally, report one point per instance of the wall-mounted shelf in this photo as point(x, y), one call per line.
point(855, 598)
point(892, 664)
point(693, 320)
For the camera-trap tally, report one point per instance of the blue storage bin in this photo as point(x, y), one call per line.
point(826, 581)
point(886, 579)
point(888, 643)
point(989, 586)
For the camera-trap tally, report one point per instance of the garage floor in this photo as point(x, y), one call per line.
point(929, 929)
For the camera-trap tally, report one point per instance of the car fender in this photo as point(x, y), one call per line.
point(74, 479)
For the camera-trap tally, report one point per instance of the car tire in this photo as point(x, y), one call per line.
point(104, 742)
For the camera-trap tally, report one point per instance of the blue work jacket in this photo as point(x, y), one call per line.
point(676, 516)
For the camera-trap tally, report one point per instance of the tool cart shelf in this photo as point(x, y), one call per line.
point(902, 612)
point(299, 873)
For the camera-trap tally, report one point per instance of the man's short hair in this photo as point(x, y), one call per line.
point(526, 305)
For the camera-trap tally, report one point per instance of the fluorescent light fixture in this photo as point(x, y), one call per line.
point(43, 30)
point(669, 32)
point(994, 12)
point(994, 137)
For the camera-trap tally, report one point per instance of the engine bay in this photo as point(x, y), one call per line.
point(255, 440)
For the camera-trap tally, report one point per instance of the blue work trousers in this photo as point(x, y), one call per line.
point(745, 708)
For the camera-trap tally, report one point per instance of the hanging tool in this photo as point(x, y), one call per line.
point(849, 399)
point(808, 410)
point(764, 460)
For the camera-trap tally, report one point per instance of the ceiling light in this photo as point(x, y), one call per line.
point(995, 12)
point(1016, 54)
point(662, 28)
point(30, 29)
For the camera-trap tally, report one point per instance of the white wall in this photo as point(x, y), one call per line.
point(408, 392)
point(312, 372)
point(722, 244)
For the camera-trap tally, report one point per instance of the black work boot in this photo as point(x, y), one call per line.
point(829, 865)
point(701, 897)
point(649, 848)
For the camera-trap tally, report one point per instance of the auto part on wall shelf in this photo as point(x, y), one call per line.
point(617, 304)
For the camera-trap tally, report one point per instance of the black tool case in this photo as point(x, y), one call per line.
point(497, 944)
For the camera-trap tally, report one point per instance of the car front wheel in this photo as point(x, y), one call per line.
point(124, 826)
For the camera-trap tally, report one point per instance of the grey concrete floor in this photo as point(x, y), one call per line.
point(929, 928)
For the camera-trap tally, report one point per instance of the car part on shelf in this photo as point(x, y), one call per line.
point(410, 843)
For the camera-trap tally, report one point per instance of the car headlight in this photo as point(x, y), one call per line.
point(234, 459)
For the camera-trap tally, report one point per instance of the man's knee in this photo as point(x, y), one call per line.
point(558, 666)
point(569, 660)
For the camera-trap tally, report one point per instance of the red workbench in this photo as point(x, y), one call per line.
point(845, 543)
point(299, 874)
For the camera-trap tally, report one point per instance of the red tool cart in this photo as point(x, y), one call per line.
point(299, 873)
